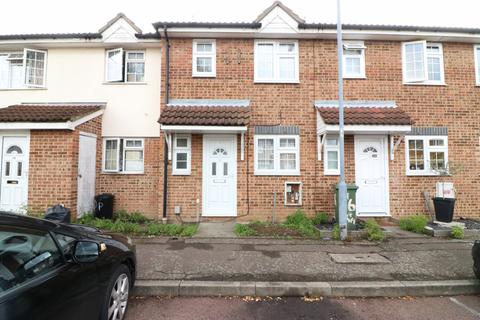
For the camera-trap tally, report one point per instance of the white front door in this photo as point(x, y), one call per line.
point(219, 175)
point(86, 173)
point(371, 175)
point(14, 181)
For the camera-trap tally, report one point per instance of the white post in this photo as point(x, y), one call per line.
point(342, 186)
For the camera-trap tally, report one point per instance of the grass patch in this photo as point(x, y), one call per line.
point(414, 223)
point(374, 232)
point(320, 218)
point(244, 230)
point(457, 232)
point(137, 224)
point(336, 232)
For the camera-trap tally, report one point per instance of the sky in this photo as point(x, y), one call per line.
point(57, 16)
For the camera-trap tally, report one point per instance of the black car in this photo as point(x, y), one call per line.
point(52, 271)
point(476, 258)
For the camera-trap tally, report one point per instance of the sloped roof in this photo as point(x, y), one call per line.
point(118, 17)
point(39, 36)
point(366, 116)
point(205, 116)
point(283, 7)
point(47, 112)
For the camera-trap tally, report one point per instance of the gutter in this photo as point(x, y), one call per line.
point(165, 148)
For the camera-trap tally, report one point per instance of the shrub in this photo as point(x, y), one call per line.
point(457, 232)
point(320, 218)
point(137, 217)
point(336, 232)
point(374, 232)
point(414, 223)
point(87, 219)
point(300, 222)
point(121, 215)
point(244, 230)
point(189, 230)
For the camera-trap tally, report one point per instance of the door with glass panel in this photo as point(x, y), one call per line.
point(14, 188)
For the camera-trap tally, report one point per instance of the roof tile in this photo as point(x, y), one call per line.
point(367, 116)
point(47, 112)
point(205, 116)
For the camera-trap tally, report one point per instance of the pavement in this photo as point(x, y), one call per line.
point(406, 308)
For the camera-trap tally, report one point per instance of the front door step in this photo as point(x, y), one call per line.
point(363, 258)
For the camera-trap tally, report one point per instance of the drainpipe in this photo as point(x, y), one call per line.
point(165, 148)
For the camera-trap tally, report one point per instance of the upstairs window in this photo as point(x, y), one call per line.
point(123, 155)
point(477, 63)
point(426, 155)
point(276, 61)
point(182, 155)
point(125, 66)
point(23, 70)
point(204, 58)
point(354, 59)
point(423, 63)
point(277, 155)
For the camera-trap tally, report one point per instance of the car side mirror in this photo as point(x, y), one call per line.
point(86, 251)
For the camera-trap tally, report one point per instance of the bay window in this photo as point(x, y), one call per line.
point(23, 70)
point(123, 155)
point(423, 62)
point(182, 155)
point(426, 155)
point(276, 61)
point(204, 58)
point(277, 155)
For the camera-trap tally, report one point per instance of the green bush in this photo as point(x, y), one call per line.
point(336, 232)
point(87, 219)
point(300, 222)
point(457, 232)
point(374, 232)
point(137, 217)
point(320, 218)
point(414, 223)
point(189, 230)
point(121, 215)
point(244, 230)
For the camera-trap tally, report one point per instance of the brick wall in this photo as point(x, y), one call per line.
point(453, 105)
point(53, 166)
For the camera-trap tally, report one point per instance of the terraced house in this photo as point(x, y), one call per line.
point(239, 120)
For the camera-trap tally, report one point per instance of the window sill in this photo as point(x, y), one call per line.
point(427, 175)
point(276, 81)
point(124, 83)
point(277, 174)
point(293, 204)
point(123, 173)
point(438, 84)
point(21, 89)
point(331, 173)
point(200, 75)
point(354, 77)
point(181, 173)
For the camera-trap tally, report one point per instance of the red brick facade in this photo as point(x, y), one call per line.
point(453, 105)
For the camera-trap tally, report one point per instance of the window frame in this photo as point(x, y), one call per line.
point(476, 56)
point(121, 148)
point(426, 154)
point(176, 150)
point(277, 55)
point(127, 60)
point(424, 80)
point(277, 150)
point(212, 55)
point(326, 149)
point(354, 45)
point(24, 84)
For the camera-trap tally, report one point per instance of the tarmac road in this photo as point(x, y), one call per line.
point(435, 308)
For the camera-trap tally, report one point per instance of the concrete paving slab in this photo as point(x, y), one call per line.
point(363, 258)
point(216, 230)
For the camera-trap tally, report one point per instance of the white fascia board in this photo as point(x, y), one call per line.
point(369, 129)
point(203, 129)
point(86, 118)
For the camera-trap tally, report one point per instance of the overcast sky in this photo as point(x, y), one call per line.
point(34, 16)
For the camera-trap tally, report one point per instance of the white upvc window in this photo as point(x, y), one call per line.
point(331, 165)
point(354, 59)
point(124, 66)
point(277, 155)
point(476, 52)
point(204, 58)
point(123, 155)
point(23, 70)
point(276, 61)
point(182, 154)
point(422, 63)
point(426, 155)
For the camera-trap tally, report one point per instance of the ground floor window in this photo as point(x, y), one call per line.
point(426, 155)
point(277, 155)
point(331, 163)
point(124, 155)
point(182, 154)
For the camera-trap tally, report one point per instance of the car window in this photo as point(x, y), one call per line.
point(66, 243)
point(24, 255)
